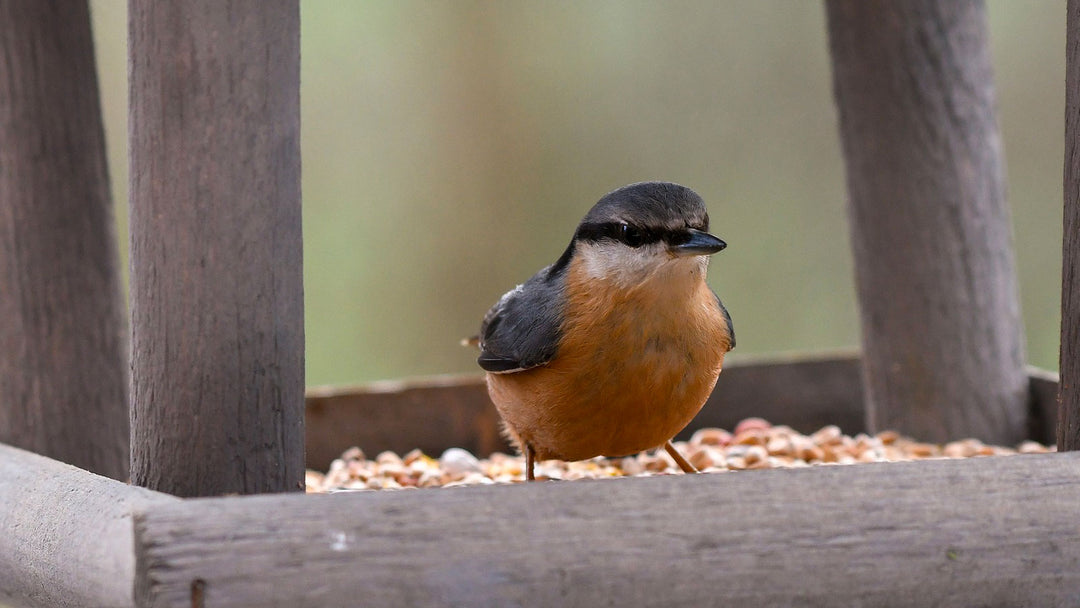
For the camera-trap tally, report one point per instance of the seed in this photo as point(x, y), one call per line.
point(413, 456)
point(924, 450)
point(809, 452)
point(700, 459)
point(457, 461)
point(780, 445)
point(750, 437)
point(827, 435)
point(962, 449)
point(313, 480)
point(756, 454)
point(388, 457)
point(353, 453)
point(752, 423)
point(631, 466)
point(756, 444)
point(710, 436)
point(1031, 447)
point(829, 453)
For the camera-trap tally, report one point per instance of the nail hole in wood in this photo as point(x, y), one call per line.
point(198, 589)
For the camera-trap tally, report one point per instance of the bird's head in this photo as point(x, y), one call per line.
point(643, 232)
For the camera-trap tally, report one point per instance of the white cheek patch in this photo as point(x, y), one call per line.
point(627, 265)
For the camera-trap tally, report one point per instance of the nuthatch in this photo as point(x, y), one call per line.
point(615, 347)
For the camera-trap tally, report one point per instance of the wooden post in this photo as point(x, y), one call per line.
point(63, 380)
point(1068, 428)
point(216, 285)
point(935, 271)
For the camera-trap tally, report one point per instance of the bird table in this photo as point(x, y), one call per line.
point(988, 530)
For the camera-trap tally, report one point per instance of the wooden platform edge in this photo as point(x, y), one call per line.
point(984, 531)
point(434, 413)
point(67, 534)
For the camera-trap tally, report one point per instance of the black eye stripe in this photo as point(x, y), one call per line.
point(634, 236)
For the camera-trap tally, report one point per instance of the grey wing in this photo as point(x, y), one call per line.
point(522, 330)
point(727, 317)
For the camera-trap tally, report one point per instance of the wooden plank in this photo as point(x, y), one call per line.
point(67, 534)
point(455, 411)
point(216, 282)
point(1069, 421)
point(990, 531)
point(63, 367)
point(931, 233)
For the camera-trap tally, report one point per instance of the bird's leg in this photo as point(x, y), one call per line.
point(530, 457)
point(679, 460)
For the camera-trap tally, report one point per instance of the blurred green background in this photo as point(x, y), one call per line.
point(450, 148)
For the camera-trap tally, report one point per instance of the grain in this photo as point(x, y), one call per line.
point(754, 444)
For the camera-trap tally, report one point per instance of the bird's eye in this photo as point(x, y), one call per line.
point(631, 235)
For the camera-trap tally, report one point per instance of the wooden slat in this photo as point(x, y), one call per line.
point(67, 534)
point(989, 531)
point(455, 411)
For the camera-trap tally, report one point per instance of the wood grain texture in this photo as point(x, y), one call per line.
point(931, 233)
point(981, 532)
point(216, 254)
point(67, 534)
point(63, 369)
point(1069, 415)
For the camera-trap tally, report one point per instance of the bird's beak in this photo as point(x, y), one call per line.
point(699, 243)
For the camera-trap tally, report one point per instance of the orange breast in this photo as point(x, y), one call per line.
point(633, 368)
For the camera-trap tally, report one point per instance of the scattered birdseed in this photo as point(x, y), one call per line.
point(754, 444)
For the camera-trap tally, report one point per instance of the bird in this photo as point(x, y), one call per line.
point(615, 347)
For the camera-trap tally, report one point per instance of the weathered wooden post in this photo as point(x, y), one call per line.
point(216, 284)
point(935, 272)
point(1068, 427)
point(63, 380)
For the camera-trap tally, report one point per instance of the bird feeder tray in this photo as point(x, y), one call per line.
point(993, 530)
